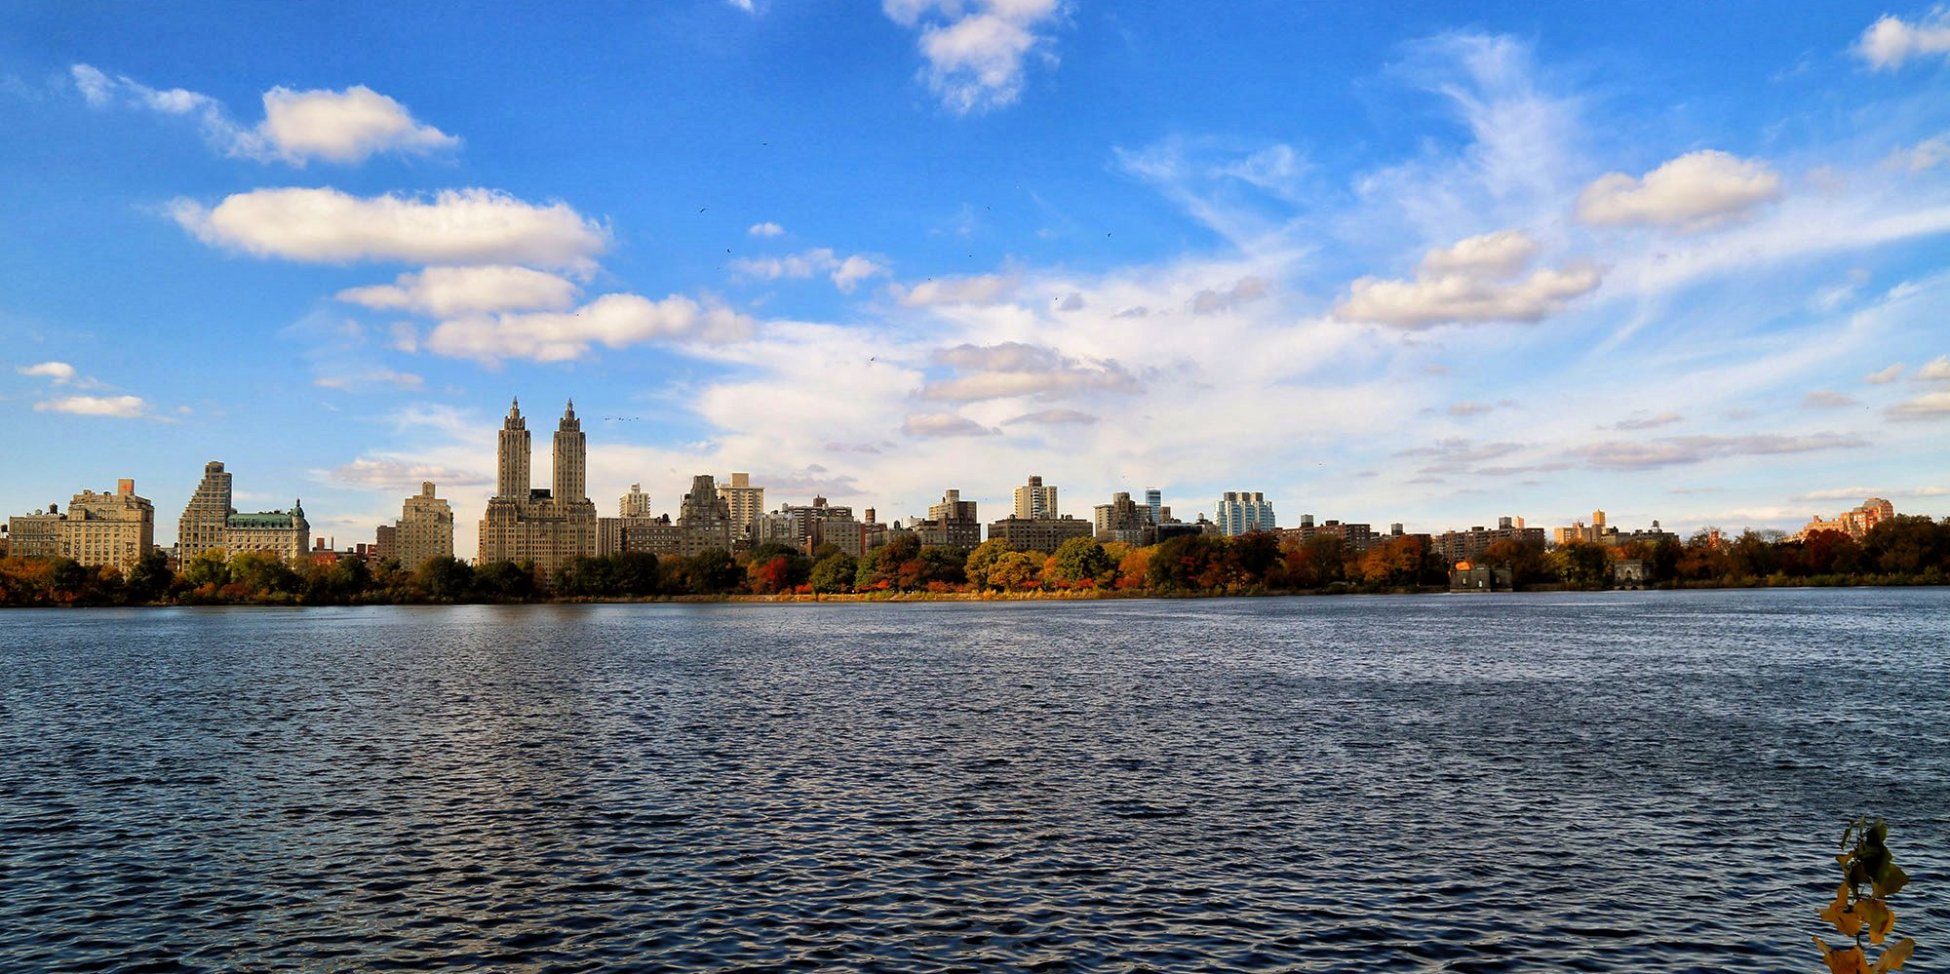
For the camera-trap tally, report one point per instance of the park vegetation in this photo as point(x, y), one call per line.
point(1902, 551)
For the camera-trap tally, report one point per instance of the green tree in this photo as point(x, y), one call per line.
point(982, 560)
point(1077, 561)
point(585, 577)
point(446, 579)
point(150, 578)
point(506, 581)
point(834, 573)
point(1581, 564)
point(1907, 544)
point(636, 573)
point(208, 568)
point(711, 572)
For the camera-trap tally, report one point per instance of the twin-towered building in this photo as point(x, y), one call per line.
point(546, 526)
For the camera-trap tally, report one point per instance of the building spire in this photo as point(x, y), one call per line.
point(514, 408)
point(570, 413)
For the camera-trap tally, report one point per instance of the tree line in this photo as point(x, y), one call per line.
point(1905, 550)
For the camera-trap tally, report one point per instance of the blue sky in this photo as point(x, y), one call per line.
point(1428, 263)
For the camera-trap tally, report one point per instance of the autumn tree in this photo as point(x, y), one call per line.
point(1078, 561)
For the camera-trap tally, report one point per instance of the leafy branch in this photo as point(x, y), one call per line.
point(1866, 862)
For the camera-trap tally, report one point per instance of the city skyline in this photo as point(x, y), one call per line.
point(1433, 265)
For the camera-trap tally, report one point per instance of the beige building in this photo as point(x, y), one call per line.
point(1035, 501)
point(425, 529)
point(36, 535)
point(209, 523)
point(109, 529)
point(1044, 534)
point(547, 527)
point(744, 504)
point(1854, 523)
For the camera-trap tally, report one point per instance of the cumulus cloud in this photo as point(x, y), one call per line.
point(980, 289)
point(60, 373)
point(1826, 399)
point(1936, 370)
point(1891, 40)
point(116, 407)
point(1246, 289)
point(1693, 192)
point(1884, 375)
point(346, 126)
point(1475, 280)
point(1503, 254)
point(338, 126)
point(766, 229)
point(845, 272)
point(456, 226)
point(1055, 417)
point(613, 320)
point(977, 51)
point(1684, 450)
point(944, 424)
point(444, 292)
point(1927, 406)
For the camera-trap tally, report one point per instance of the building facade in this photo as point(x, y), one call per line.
point(1125, 520)
point(108, 529)
point(1034, 501)
point(951, 523)
point(206, 517)
point(210, 523)
point(425, 529)
point(743, 503)
point(1855, 523)
point(1043, 534)
point(1241, 512)
point(546, 527)
point(285, 534)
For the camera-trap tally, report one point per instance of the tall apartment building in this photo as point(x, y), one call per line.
point(210, 523)
point(1035, 501)
point(1855, 523)
point(636, 503)
point(744, 503)
point(1043, 534)
point(425, 529)
point(951, 523)
point(1124, 520)
point(1154, 499)
point(1459, 546)
point(809, 526)
point(202, 526)
point(549, 526)
point(1241, 512)
point(98, 529)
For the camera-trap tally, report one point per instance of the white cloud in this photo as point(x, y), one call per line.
point(766, 229)
point(1055, 417)
point(118, 407)
point(444, 292)
point(1927, 406)
point(613, 320)
point(1827, 399)
point(61, 373)
point(337, 126)
point(367, 378)
point(979, 290)
point(944, 424)
point(1936, 370)
point(1884, 376)
point(1648, 422)
point(846, 273)
point(396, 473)
point(1693, 192)
point(1891, 40)
point(456, 226)
point(1927, 154)
point(1683, 450)
point(1246, 289)
point(1471, 281)
point(976, 51)
point(1013, 369)
point(1502, 254)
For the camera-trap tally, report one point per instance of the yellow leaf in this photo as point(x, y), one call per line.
point(1845, 960)
point(1846, 920)
point(1894, 956)
point(1879, 917)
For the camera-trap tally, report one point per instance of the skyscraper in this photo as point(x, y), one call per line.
point(547, 527)
point(425, 529)
point(1244, 511)
point(202, 525)
point(745, 503)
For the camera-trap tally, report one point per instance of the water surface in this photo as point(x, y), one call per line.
point(1620, 782)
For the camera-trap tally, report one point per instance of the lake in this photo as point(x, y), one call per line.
point(1605, 782)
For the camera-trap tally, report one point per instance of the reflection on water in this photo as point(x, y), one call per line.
point(1630, 782)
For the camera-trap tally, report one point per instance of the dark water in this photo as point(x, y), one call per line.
point(1626, 782)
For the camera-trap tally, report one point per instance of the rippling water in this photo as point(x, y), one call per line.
point(1619, 782)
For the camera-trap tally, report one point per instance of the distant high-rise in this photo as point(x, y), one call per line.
point(951, 523)
point(547, 527)
point(1035, 501)
point(1241, 512)
point(743, 502)
point(425, 529)
point(1155, 500)
point(202, 525)
point(636, 503)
